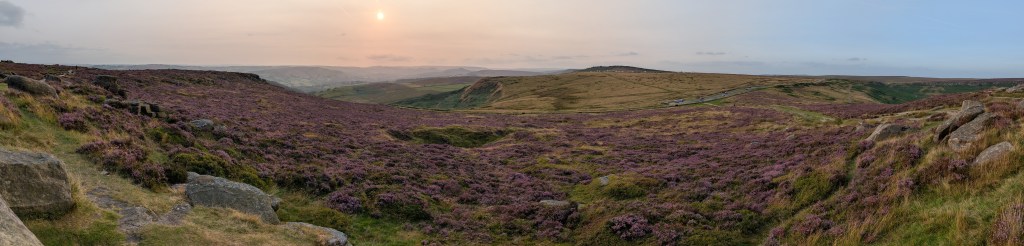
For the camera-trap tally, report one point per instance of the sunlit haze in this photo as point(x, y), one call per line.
point(927, 38)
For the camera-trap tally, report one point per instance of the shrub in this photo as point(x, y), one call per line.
point(127, 158)
point(342, 201)
point(73, 121)
point(454, 136)
point(629, 227)
point(403, 206)
point(209, 164)
point(1009, 226)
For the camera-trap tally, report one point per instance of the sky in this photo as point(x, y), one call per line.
point(938, 38)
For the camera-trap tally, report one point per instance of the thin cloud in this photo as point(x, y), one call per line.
point(631, 53)
point(711, 53)
point(856, 59)
point(389, 58)
point(10, 14)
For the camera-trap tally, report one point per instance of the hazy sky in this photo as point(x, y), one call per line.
point(890, 37)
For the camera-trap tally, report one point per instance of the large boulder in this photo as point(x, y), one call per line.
point(12, 231)
point(202, 124)
point(965, 135)
point(34, 184)
point(325, 236)
point(993, 153)
point(210, 191)
point(886, 131)
point(968, 111)
point(31, 86)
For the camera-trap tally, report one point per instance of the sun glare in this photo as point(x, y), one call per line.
point(380, 15)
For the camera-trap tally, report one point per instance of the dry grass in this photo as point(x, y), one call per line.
point(216, 226)
point(590, 92)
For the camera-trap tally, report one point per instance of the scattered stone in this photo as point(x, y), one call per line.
point(1015, 89)
point(51, 78)
point(993, 153)
point(202, 124)
point(1020, 104)
point(886, 131)
point(12, 231)
point(968, 111)
point(966, 135)
point(326, 236)
point(34, 184)
point(555, 203)
point(210, 191)
point(31, 86)
point(603, 180)
point(176, 215)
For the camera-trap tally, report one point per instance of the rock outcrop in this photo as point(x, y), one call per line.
point(34, 184)
point(555, 203)
point(12, 231)
point(202, 124)
point(968, 111)
point(886, 131)
point(1015, 89)
point(965, 135)
point(326, 236)
point(993, 153)
point(210, 191)
point(110, 84)
point(30, 86)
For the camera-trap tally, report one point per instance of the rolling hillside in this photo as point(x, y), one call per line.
point(390, 92)
point(591, 91)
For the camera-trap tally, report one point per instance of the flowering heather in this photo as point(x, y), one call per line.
point(691, 175)
point(629, 226)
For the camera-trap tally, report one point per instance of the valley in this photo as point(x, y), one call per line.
point(801, 161)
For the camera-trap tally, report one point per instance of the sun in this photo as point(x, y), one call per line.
point(380, 15)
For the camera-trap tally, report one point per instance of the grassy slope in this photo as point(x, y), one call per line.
point(594, 91)
point(88, 224)
point(386, 93)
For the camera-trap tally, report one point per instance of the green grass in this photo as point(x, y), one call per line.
point(478, 95)
point(453, 135)
point(297, 207)
point(387, 93)
point(372, 231)
point(85, 225)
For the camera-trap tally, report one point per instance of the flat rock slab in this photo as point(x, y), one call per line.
point(34, 184)
point(326, 236)
point(965, 136)
point(210, 191)
point(993, 153)
point(968, 111)
point(12, 231)
point(886, 131)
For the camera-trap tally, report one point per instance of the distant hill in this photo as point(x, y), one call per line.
point(590, 91)
point(318, 78)
point(621, 69)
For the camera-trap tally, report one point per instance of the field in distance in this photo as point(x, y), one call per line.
point(592, 91)
point(391, 92)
